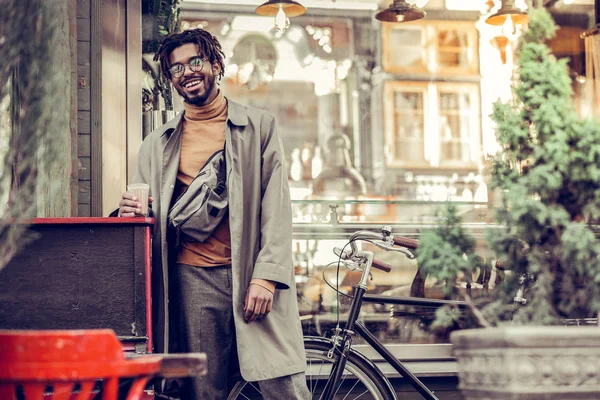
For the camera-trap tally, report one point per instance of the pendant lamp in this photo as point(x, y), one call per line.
point(282, 10)
point(400, 11)
point(508, 9)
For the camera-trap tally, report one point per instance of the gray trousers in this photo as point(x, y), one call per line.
point(205, 317)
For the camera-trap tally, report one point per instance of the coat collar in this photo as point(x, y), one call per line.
point(236, 114)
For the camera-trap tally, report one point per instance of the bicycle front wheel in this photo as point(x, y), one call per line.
point(361, 379)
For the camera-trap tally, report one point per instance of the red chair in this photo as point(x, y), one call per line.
point(36, 360)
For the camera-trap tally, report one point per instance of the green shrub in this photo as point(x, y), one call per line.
point(549, 175)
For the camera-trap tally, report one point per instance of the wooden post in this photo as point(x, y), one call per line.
point(57, 196)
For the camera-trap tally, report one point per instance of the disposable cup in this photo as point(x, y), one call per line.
point(140, 191)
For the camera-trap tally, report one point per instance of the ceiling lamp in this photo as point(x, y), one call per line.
point(400, 11)
point(282, 10)
point(508, 10)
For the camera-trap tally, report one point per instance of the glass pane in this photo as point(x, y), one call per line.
point(322, 77)
point(452, 38)
point(455, 127)
point(453, 49)
point(409, 126)
point(316, 267)
point(406, 49)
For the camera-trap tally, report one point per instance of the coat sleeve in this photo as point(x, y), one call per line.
point(274, 261)
point(143, 169)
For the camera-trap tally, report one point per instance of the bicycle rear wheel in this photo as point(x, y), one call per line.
point(361, 379)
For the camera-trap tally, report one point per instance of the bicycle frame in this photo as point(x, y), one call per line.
point(342, 338)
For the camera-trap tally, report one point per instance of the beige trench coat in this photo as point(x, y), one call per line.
point(261, 224)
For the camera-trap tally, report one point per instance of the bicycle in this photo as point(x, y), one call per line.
point(347, 371)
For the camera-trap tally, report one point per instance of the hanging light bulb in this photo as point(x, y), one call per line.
point(400, 11)
point(509, 29)
point(282, 22)
point(282, 10)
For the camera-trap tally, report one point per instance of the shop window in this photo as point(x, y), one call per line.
point(445, 48)
point(432, 124)
point(302, 75)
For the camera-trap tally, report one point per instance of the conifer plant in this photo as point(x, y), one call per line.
point(548, 173)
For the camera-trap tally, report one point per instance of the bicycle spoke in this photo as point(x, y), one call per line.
point(355, 380)
point(350, 391)
point(311, 380)
point(360, 395)
point(318, 374)
point(255, 388)
point(340, 384)
point(246, 397)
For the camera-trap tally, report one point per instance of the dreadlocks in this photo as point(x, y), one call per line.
point(208, 45)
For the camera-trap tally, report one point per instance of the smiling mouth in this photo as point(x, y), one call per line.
point(190, 84)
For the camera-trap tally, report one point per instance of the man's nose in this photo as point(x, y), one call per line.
point(187, 68)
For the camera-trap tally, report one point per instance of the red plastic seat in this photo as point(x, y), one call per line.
point(35, 360)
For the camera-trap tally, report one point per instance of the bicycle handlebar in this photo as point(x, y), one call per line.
point(386, 237)
point(406, 242)
point(382, 265)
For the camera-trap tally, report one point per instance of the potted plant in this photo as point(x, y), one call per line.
point(161, 18)
point(549, 176)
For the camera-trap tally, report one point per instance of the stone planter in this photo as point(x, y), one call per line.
point(539, 362)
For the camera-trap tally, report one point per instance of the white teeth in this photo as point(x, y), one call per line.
point(192, 83)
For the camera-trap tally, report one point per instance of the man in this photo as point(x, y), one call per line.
point(233, 295)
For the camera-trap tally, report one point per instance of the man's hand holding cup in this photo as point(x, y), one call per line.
point(134, 202)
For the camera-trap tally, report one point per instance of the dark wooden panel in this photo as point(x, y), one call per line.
point(83, 146)
point(83, 98)
point(84, 210)
point(83, 122)
point(139, 260)
point(83, 53)
point(83, 29)
point(83, 9)
point(77, 276)
point(84, 168)
point(84, 192)
point(83, 76)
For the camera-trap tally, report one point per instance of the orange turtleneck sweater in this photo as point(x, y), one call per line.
point(204, 134)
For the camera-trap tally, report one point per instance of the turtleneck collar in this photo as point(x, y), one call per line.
point(206, 112)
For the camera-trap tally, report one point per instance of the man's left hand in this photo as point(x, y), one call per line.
point(258, 302)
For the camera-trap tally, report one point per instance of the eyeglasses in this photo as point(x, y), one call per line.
point(177, 70)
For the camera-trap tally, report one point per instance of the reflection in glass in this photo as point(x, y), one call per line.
point(409, 117)
point(454, 50)
point(455, 110)
point(422, 142)
point(339, 179)
point(408, 52)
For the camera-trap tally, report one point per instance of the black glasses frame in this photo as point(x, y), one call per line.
point(177, 70)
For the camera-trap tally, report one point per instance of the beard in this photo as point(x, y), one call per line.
point(200, 98)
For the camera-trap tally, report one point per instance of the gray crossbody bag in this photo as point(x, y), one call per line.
point(200, 208)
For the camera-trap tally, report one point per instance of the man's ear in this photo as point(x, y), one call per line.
point(216, 69)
